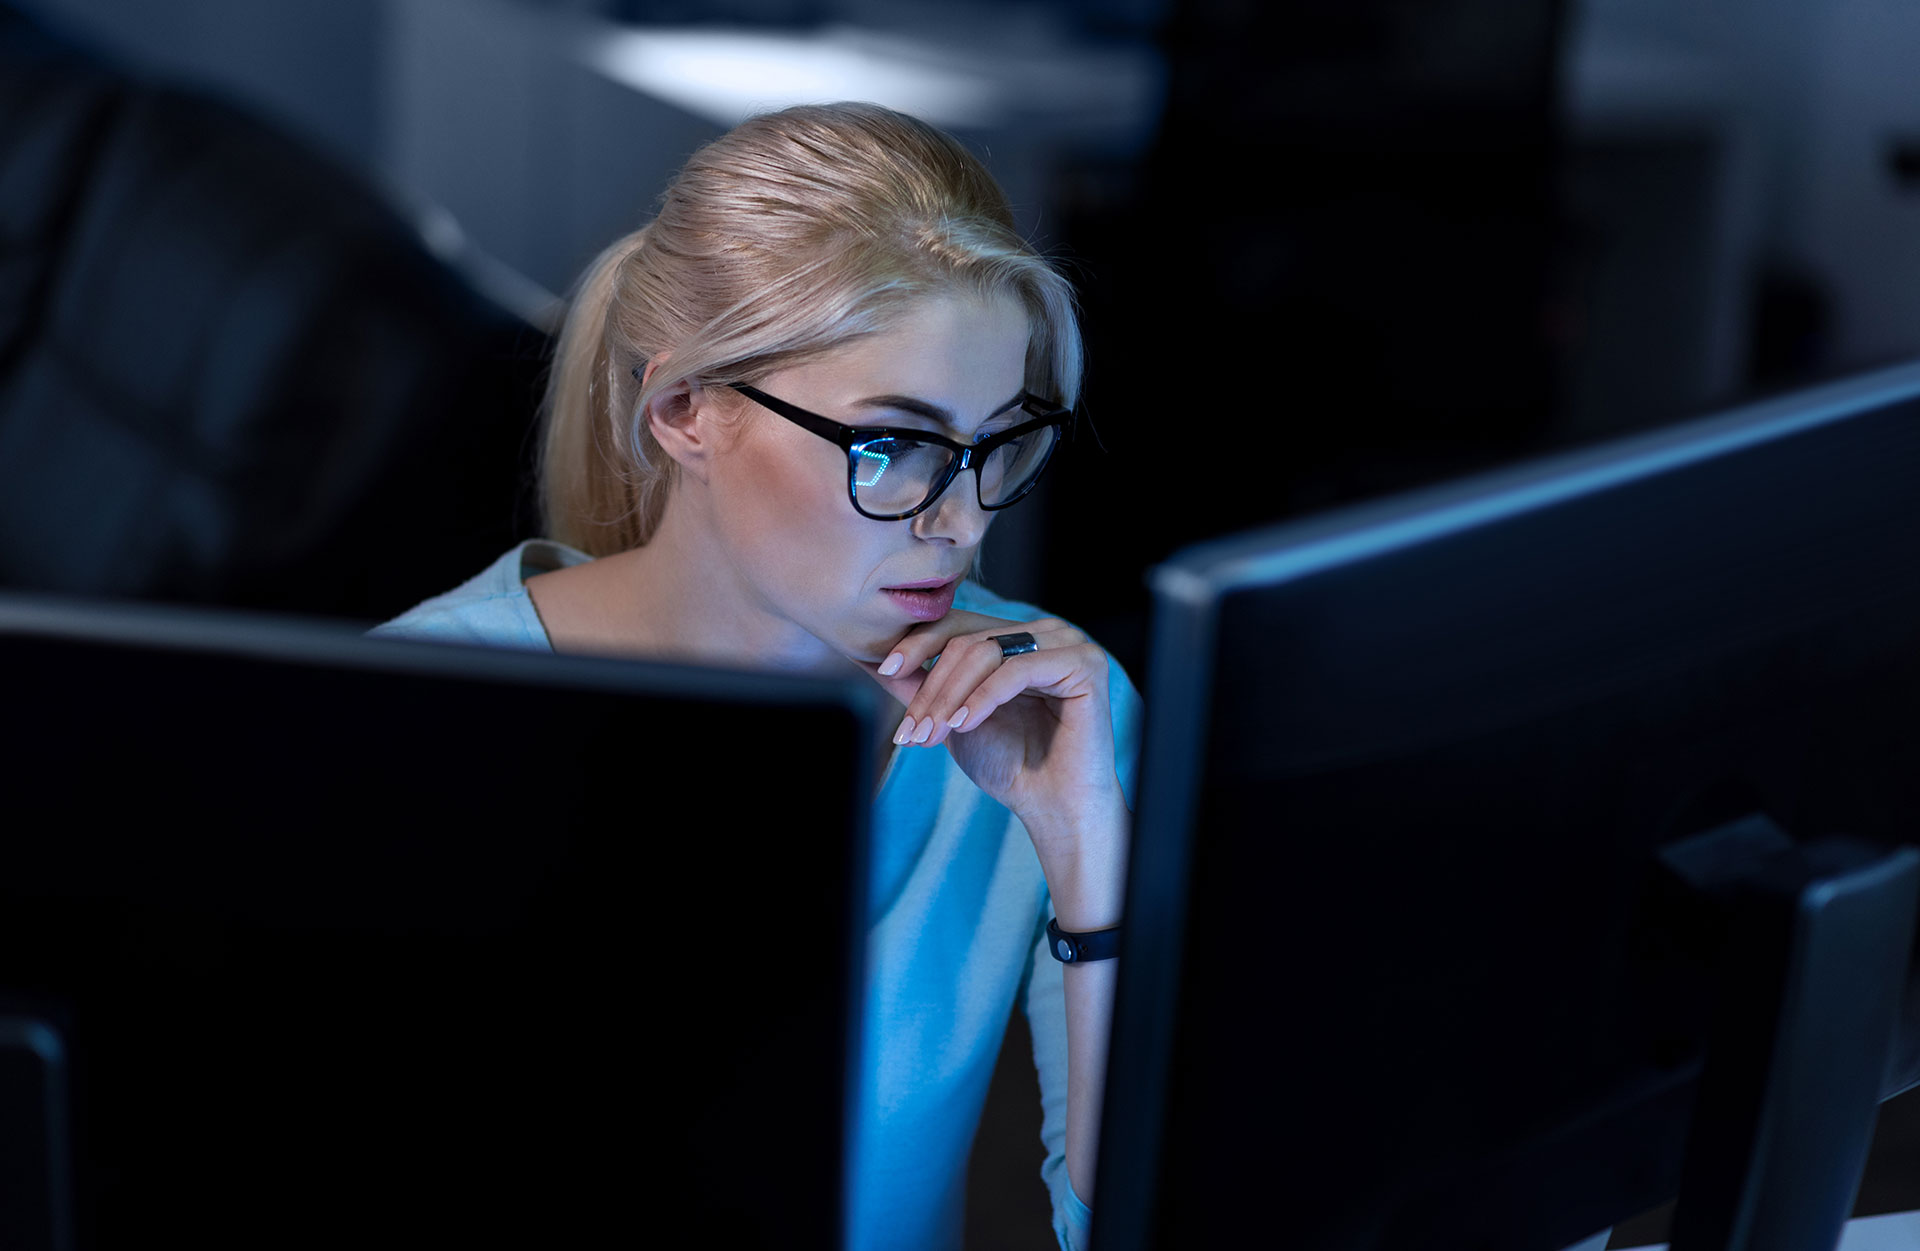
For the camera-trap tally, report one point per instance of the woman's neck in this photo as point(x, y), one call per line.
point(675, 598)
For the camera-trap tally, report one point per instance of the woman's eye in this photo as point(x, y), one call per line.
point(898, 447)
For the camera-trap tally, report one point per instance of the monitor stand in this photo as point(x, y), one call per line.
point(34, 1203)
point(1816, 939)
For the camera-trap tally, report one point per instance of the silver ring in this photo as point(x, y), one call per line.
point(1016, 644)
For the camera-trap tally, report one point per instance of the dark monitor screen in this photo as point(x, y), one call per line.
point(1404, 966)
point(311, 939)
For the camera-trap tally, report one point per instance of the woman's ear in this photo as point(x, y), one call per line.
point(684, 420)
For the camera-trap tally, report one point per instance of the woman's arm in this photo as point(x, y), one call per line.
point(1088, 896)
point(1034, 730)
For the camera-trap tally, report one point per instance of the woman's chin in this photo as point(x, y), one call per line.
point(863, 648)
point(867, 657)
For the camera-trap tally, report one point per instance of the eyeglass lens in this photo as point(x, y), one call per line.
point(897, 475)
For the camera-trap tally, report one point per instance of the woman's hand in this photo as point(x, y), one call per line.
point(1033, 731)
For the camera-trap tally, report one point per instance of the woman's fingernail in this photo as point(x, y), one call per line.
point(925, 731)
point(892, 665)
point(958, 717)
point(906, 728)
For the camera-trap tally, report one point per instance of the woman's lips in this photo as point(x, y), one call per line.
point(925, 602)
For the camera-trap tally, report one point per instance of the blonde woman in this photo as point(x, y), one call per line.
point(781, 419)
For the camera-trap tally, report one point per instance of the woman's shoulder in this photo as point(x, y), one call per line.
point(970, 596)
point(492, 607)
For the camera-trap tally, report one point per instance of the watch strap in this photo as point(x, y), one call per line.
point(1081, 948)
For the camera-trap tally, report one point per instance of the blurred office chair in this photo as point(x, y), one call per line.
point(230, 372)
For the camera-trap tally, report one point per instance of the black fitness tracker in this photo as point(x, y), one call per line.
point(1080, 948)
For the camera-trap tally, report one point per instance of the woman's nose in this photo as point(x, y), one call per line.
point(955, 517)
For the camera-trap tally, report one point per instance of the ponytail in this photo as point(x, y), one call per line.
point(589, 498)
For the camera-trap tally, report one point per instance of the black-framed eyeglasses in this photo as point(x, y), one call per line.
point(895, 473)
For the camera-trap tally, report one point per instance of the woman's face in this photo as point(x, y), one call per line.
point(800, 552)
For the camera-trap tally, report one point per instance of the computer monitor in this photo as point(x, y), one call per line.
point(1516, 854)
point(312, 939)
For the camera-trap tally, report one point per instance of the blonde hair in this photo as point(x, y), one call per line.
point(788, 236)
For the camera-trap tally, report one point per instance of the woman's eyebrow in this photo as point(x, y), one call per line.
point(932, 412)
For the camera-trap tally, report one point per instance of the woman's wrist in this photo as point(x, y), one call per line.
point(1085, 863)
point(1089, 897)
point(1088, 916)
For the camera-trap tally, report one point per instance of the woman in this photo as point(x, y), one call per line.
point(716, 490)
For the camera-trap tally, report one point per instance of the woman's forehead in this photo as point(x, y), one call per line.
point(954, 351)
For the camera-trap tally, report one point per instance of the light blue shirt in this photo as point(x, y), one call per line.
point(957, 938)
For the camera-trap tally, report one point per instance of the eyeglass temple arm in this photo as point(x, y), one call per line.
point(843, 435)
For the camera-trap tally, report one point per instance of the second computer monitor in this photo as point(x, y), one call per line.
point(1397, 971)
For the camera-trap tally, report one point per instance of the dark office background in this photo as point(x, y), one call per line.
point(1328, 249)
